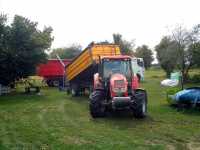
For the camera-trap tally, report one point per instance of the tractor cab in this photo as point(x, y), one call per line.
point(116, 72)
point(116, 65)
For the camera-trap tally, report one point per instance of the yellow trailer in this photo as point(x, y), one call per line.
point(80, 71)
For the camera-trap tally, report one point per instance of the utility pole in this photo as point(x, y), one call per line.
point(62, 63)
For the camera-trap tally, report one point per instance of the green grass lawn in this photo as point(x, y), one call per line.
point(55, 120)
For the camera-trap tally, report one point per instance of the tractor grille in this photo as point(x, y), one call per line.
point(119, 83)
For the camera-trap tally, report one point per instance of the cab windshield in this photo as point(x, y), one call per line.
point(116, 66)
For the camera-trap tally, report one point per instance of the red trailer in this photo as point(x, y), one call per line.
point(53, 71)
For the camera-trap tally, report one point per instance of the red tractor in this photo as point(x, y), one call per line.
point(116, 87)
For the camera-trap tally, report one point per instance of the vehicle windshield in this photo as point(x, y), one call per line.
point(116, 66)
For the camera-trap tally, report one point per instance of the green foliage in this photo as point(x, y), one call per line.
point(66, 52)
point(173, 90)
point(145, 53)
point(3, 19)
point(194, 53)
point(22, 48)
point(167, 54)
point(195, 78)
point(126, 47)
point(187, 42)
point(170, 93)
point(180, 50)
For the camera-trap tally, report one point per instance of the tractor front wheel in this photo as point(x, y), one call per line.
point(97, 108)
point(140, 105)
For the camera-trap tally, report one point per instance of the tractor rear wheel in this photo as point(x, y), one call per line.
point(140, 105)
point(97, 108)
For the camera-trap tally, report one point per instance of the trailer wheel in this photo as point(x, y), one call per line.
point(27, 90)
point(97, 109)
point(74, 91)
point(55, 83)
point(49, 83)
point(140, 105)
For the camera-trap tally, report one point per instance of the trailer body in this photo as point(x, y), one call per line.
point(52, 71)
point(81, 70)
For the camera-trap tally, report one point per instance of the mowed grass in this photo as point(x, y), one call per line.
point(55, 120)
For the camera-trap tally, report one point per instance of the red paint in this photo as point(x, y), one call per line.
point(53, 68)
point(135, 82)
point(113, 85)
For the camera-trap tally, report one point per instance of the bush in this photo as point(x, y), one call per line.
point(170, 93)
point(195, 78)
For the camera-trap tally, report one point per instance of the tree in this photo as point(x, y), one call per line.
point(186, 41)
point(145, 53)
point(66, 52)
point(194, 52)
point(125, 46)
point(167, 54)
point(22, 48)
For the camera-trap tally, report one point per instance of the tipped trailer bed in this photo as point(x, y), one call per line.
point(52, 71)
point(80, 71)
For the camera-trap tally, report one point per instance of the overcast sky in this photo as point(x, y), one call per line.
point(83, 21)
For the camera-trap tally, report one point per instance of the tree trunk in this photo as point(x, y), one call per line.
point(186, 73)
point(182, 79)
point(168, 74)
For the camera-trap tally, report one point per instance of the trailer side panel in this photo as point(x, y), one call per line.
point(90, 56)
point(79, 64)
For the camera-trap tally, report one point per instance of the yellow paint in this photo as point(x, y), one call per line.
point(88, 56)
